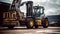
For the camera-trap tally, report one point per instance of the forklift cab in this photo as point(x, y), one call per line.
point(38, 11)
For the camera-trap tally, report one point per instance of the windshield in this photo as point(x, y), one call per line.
point(7, 1)
point(38, 11)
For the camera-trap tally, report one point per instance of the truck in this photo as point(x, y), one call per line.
point(9, 13)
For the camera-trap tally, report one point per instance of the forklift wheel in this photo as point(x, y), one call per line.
point(36, 26)
point(30, 24)
point(45, 23)
point(10, 27)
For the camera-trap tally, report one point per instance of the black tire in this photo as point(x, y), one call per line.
point(10, 27)
point(28, 25)
point(36, 26)
point(45, 23)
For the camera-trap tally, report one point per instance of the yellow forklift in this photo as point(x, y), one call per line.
point(35, 16)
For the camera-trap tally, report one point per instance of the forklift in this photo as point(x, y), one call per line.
point(35, 16)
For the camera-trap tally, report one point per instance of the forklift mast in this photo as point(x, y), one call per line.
point(29, 6)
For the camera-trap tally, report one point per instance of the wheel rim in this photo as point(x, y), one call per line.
point(47, 23)
point(39, 22)
point(31, 23)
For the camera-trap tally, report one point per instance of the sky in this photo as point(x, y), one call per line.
point(7, 1)
point(52, 7)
